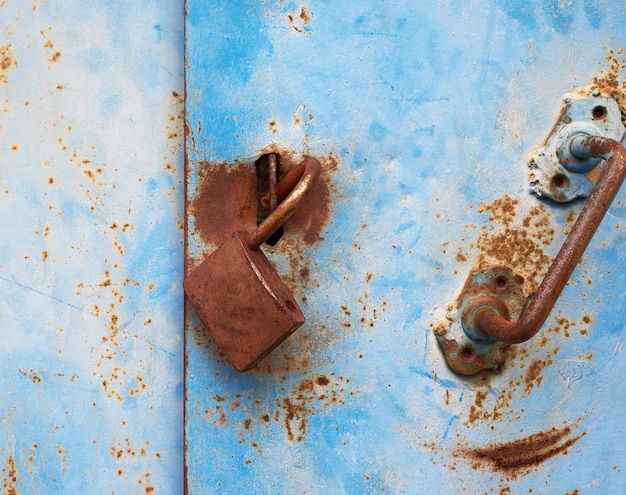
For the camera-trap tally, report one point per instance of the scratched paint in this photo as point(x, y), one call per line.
point(91, 192)
point(428, 110)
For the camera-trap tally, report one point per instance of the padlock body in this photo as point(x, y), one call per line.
point(242, 302)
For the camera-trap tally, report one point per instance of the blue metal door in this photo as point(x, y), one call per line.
point(421, 115)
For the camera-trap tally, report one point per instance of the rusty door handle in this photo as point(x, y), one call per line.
point(487, 316)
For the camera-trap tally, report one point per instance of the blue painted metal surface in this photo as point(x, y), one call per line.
point(422, 115)
point(91, 197)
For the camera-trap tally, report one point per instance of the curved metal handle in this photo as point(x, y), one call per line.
point(481, 313)
point(306, 172)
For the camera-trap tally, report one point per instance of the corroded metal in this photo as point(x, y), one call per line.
point(273, 176)
point(487, 321)
point(469, 352)
point(237, 294)
point(290, 191)
point(554, 172)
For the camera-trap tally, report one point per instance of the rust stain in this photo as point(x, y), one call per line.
point(517, 248)
point(10, 475)
point(519, 457)
point(503, 210)
point(55, 57)
point(6, 62)
point(533, 376)
point(479, 412)
point(299, 19)
point(610, 82)
point(304, 15)
point(307, 225)
point(309, 397)
point(225, 201)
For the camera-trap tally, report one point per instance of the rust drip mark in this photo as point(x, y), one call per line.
point(6, 62)
point(610, 82)
point(520, 456)
point(10, 477)
point(310, 396)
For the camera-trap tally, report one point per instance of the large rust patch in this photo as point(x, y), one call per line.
point(225, 201)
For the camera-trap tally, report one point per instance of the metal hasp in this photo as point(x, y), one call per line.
point(236, 292)
point(489, 317)
point(554, 172)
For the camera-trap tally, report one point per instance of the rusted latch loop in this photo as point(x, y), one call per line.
point(290, 191)
point(273, 174)
point(486, 320)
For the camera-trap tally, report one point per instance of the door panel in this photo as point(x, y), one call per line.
point(421, 116)
point(91, 102)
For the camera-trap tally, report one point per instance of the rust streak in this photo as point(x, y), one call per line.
point(521, 455)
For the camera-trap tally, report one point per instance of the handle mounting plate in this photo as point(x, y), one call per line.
point(556, 174)
point(466, 351)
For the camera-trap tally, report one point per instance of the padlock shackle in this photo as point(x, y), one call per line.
point(310, 171)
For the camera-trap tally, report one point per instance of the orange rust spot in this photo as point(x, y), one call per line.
point(55, 57)
point(14, 147)
point(304, 15)
point(221, 416)
point(460, 256)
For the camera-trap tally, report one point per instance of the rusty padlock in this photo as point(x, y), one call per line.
point(238, 296)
